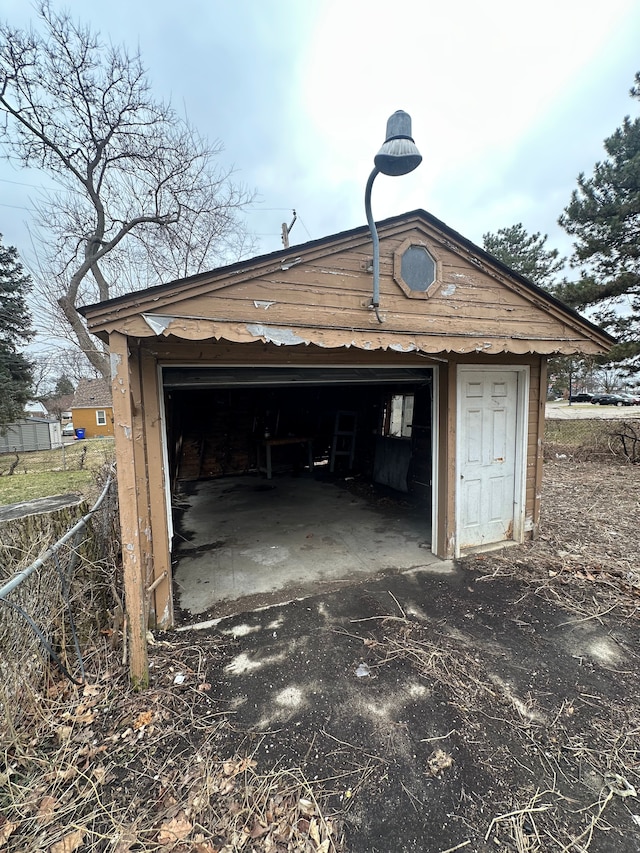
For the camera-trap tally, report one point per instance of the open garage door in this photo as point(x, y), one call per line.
point(273, 442)
point(235, 377)
point(378, 421)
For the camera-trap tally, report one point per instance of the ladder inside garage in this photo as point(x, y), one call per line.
point(344, 438)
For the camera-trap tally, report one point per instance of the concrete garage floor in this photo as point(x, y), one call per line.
point(246, 542)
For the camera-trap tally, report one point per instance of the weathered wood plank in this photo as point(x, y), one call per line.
point(130, 509)
point(162, 610)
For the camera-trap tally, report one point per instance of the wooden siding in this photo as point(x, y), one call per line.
point(310, 307)
point(146, 511)
point(133, 501)
point(323, 296)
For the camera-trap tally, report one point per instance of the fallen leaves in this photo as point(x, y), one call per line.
point(232, 768)
point(63, 733)
point(278, 811)
point(176, 829)
point(143, 719)
point(70, 842)
point(438, 762)
point(46, 809)
point(104, 765)
point(7, 828)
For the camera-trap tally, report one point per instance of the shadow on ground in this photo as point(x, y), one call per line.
point(440, 711)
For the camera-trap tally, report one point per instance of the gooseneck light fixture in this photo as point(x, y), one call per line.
point(398, 156)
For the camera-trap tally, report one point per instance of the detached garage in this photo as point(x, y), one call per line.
point(277, 369)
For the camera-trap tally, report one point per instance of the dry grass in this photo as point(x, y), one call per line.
point(37, 474)
point(539, 756)
point(110, 769)
point(588, 547)
point(593, 440)
point(76, 589)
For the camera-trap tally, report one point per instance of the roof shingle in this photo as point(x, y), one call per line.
point(92, 393)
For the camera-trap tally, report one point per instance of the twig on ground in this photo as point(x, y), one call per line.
point(404, 615)
point(439, 737)
point(457, 847)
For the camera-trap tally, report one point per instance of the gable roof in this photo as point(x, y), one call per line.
point(35, 408)
point(316, 293)
point(92, 394)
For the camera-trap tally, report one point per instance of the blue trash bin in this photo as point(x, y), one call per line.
point(80, 432)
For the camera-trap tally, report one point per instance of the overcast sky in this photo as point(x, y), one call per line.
point(510, 101)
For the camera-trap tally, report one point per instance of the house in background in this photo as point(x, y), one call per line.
point(440, 394)
point(35, 409)
point(92, 408)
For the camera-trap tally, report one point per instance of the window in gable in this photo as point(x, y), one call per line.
point(418, 269)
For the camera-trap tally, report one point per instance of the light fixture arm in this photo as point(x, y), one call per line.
point(398, 156)
point(375, 301)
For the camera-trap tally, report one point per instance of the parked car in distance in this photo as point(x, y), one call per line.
point(580, 398)
point(68, 430)
point(613, 400)
point(634, 399)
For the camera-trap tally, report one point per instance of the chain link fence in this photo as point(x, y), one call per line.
point(71, 456)
point(59, 589)
point(593, 439)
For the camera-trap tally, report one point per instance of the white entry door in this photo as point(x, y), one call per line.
point(488, 481)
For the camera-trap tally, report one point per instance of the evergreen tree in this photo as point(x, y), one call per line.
point(604, 218)
point(64, 386)
point(15, 330)
point(525, 253)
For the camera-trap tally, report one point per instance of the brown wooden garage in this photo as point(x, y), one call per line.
point(440, 397)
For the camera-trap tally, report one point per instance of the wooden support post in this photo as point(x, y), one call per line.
point(542, 403)
point(161, 614)
point(129, 499)
point(447, 484)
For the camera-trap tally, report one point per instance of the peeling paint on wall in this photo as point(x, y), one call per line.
point(275, 335)
point(286, 265)
point(166, 619)
point(262, 304)
point(341, 273)
point(158, 323)
point(115, 360)
point(400, 348)
point(449, 290)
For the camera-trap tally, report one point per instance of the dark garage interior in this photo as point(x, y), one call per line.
point(266, 431)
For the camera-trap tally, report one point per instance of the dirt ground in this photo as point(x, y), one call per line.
point(496, 707)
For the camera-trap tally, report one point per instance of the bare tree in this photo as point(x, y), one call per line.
point(42, 373)
point(136, 186)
